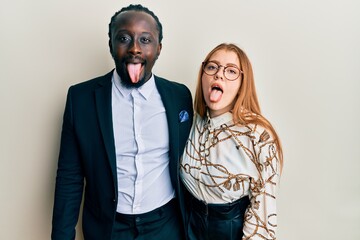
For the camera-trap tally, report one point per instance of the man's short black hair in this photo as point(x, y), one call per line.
point(139, 8)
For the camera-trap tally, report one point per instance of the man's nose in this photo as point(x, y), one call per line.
point(135, 48)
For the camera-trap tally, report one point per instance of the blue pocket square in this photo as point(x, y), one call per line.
point(183, 116)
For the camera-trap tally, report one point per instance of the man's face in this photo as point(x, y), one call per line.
point(135, 46)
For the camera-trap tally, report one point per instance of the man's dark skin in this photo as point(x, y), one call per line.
point(133, 42)
point(87, 165)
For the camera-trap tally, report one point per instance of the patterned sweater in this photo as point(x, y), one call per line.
point(223, 162)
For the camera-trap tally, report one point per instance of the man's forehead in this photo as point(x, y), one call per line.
point(131, 20)
point(132, 15)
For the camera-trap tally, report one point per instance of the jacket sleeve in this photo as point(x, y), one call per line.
point(69, 180)
point(260, 217)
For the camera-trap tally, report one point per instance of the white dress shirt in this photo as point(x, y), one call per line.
point(142, 147)
point(223, 162)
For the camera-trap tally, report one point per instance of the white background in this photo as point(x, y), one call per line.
point(306, 59)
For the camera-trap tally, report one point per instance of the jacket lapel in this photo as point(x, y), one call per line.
point(171, 108)
point(104, 110)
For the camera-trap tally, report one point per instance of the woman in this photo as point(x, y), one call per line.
point(232, 161)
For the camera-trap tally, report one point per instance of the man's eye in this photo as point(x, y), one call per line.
point(123, 39)
point(145, 40)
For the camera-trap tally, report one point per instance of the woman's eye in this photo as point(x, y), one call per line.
point(232, 71)
point(211, 66)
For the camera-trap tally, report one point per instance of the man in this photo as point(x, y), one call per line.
point(123, 134)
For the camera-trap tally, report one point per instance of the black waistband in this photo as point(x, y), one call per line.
point(221, 211)
point(156, 213)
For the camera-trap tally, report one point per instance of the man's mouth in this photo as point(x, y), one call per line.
point(216, 93)
point(134, 71)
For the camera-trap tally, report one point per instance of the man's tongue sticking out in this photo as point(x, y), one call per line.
point(215, 95)
point(134, 71)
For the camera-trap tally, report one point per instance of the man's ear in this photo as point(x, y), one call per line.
point(111, 49)
point(159, 50)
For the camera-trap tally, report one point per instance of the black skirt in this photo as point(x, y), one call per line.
point(215, 221)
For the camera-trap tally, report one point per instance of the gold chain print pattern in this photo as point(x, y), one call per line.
point(223, 162)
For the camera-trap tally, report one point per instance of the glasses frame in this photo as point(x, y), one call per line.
point(219, 66)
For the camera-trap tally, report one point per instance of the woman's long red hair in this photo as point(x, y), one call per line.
point(246, 108)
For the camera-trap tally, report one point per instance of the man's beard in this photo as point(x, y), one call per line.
point(125, 78)
point(126, 82)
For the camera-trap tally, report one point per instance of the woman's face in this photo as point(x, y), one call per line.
point(220, 93)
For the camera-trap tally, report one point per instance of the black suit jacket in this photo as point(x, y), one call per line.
point(87, 155)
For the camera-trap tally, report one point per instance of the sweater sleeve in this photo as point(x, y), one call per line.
point(261, 216)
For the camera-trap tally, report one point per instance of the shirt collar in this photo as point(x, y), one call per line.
point(218, 120)
point(145, 90)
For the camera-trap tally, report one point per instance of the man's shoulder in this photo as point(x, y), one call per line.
point(166, 83)
point(94, 82)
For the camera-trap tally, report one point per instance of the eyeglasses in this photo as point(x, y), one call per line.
point(231, 73)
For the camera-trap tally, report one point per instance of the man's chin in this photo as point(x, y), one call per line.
point(126, 82)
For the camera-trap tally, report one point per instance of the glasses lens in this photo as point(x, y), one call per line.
point(211, 68)
point(231, 73)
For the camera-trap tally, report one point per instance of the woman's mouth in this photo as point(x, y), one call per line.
point(216, 93)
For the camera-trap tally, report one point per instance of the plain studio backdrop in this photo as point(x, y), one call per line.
point(306, 59)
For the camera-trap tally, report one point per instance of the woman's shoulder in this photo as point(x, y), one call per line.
point(259, 132)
